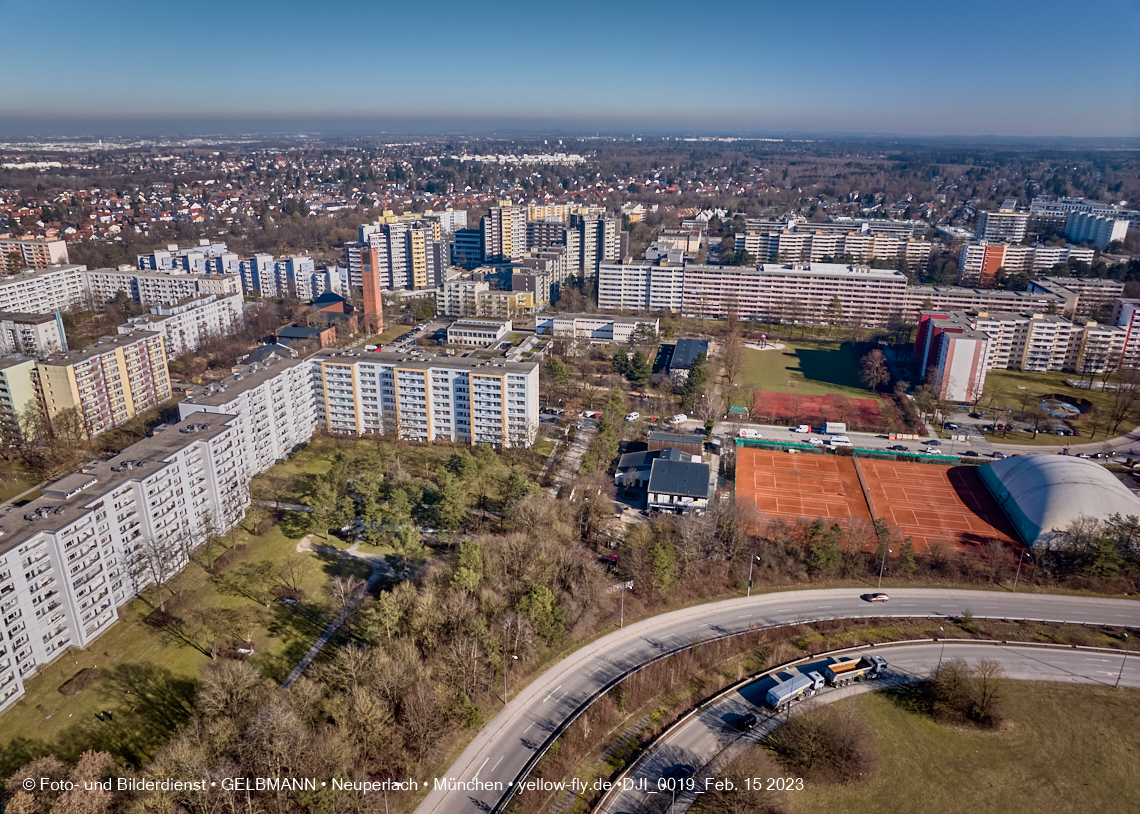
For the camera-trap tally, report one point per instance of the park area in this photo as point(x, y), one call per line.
point(1065, 750)
point(810, 383)
point(930, 503)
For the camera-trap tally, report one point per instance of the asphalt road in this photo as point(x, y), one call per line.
point(712, 737)
point(503, 747)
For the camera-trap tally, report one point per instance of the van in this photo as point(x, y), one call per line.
point(746, 433)
point(841, 441)
point(680, 418)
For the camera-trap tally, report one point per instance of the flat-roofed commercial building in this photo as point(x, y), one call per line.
point(478, 333)
point(427, 398)
point(593, 326)
point(109, 382)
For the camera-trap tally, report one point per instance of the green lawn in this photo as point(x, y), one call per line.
point(817, 369)
point(14, 480)
point(1011, 388)
point(1066, 748)
point(148, 676)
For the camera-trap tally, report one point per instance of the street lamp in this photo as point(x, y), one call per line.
point(751, 561)
point(1018, 574)
point(886, 551)
point(506, 669)
point(624, 585)
point(1122, 663)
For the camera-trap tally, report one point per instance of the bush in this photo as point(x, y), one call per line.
point(958, 693)
point(265, 526)
point(80, 681)
point(823, 745)
point(228, 558)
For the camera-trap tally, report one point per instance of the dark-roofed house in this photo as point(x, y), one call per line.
point(633, 467)
point(693, 443)
point(678, 487)
point(293, 334)
point(271, 350)
point(685, 354)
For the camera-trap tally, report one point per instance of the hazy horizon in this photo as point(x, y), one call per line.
point(979, 69)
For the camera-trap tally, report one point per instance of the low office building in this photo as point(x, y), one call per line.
point(188, 324)
point(32, 334)
point(594, 326)
point(466, 400)
point(478, 333)
point(71, 558)
point(634, 468)
point(109, 382)
point(685, 353)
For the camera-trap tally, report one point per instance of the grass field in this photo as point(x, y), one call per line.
point(817, 369)
point(1067, 750)
point(1012, 386)
point(148, 676)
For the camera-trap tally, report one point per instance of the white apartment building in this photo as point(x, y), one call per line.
point(17, 394)
point(806, 242)
point(60, 288)
point(71, 558)
point(593, 326)
point(1099, 229)
point(979, 262)
point(460, 298)
point(155, 287)
point(1126, 316)
point(32, 334)
point(640, 287)
point(464, 400)
point(272, 403)
point(186, 325)
point(33, 254)
point(1083, 296)
point(504, 233)
point(478, 333)
point(1006, 225)
point(792, 293)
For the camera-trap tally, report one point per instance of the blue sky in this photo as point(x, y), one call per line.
point(1000, 67)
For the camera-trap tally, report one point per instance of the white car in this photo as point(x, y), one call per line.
point(633, 417)
point(816, 442)
point(803, 428)
point(680, 418)
point(750, 434)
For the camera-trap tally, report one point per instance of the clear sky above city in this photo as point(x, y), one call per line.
point(969, 67)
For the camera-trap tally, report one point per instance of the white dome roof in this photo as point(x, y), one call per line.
point(1042, 494)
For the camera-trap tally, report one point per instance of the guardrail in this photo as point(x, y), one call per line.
point(713, 700)
point(558, 730)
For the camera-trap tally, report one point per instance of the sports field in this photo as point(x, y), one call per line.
point(928, 502)
point(808, 369)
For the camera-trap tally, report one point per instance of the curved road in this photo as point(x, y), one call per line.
point(711, 737)
point(502, 748)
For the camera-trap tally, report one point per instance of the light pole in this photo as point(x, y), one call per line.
point(624, 585)
point(1122, 663)
point(751, 561)
point(886, 551)
point(506, 669)
point(1018, 574)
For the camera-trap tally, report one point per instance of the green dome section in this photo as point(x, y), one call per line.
point(1043, 494)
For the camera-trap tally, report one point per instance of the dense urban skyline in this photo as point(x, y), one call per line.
point(1012, 69)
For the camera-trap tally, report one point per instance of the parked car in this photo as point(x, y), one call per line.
point(841, 441)
point(950, 425)
point(680, 418)
point(997, 454)
point(970, 453)
point(816, 442)
point(633, 417)
point(934, 443)
point(746, 723)
point(899, 448)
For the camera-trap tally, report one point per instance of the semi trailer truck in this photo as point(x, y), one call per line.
point(800, 686)
point(861, 669)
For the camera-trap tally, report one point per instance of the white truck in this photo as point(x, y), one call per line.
point(845, 671)
point(795, 688)
point(834, 428)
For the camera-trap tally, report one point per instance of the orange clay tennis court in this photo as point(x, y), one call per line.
point(928, 502)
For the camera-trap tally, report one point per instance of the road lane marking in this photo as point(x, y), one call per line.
point(556, 689)
point(481, 765)
point(497, 762)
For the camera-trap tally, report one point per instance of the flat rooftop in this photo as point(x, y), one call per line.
point(68, 498)
point(244, 377)
point(597, 318)
point(423, 362)
point(831, 270)
point(106, 344)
